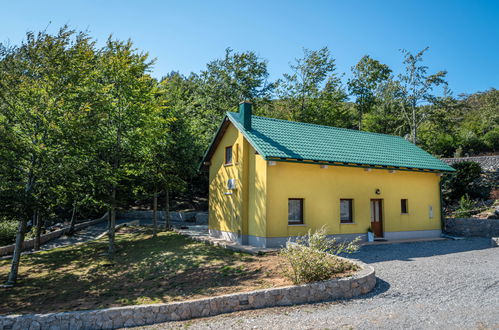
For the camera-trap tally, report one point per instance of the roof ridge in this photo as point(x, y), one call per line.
point(319, 125)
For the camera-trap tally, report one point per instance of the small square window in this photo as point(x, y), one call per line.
point(346, 210)
point(295, 211)
point(228, 155)
point(403, 206)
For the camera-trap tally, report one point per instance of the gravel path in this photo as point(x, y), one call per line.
point(425, 285)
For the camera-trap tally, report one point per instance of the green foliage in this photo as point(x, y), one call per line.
point(312, 258)
point(465, 181)
point(312, 92)
point(368, 75)
point(466, 206)
point(491, 139)
point(226, 82)
point(416, 91)
point(8, 230)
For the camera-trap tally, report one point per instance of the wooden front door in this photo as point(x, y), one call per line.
point(377, 217)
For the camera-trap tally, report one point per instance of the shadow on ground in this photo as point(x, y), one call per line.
point(410, 251)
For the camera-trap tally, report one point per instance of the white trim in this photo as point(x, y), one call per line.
point(394, 235)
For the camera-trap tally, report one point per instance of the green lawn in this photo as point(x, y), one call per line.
point(169, 267)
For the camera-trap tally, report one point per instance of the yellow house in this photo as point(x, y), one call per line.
point(273, 179)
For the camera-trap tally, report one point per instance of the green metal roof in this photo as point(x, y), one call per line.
point(287, 140)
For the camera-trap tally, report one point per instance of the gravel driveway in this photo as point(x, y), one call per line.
point(426, 285)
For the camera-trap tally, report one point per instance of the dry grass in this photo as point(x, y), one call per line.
point(145, 270)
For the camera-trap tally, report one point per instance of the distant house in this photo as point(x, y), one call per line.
point(272, 179)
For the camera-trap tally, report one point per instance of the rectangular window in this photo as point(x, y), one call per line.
point(228, 155)
point(403, 206)
point(346, 210)
point(295, 211)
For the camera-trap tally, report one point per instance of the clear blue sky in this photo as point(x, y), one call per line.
point(184, 35)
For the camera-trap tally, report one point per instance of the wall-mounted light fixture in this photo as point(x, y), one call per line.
point(392, 171)
point(272, 163)
point(368, 169)
point(324, 166)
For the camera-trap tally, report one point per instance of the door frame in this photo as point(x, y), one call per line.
point(380, 201)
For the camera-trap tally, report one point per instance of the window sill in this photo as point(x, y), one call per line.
point(296, 224)
point(404, 213)
point(348, 223)
point(227, 165)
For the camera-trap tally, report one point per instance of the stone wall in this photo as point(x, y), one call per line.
point(360, 283)
point(488, 163)
point(29, 244)
point(196, 217)
point(470, 227)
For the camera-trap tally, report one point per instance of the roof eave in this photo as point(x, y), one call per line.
point(374, 166)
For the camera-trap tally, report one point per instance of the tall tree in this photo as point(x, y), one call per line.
point(417, 88)
point(38, 84)
point(312, 92)
point(228, 81)
point(130, 99)
point(367, 75)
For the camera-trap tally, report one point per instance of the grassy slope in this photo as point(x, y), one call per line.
point(167, 268)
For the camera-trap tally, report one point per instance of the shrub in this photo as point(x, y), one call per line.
point(466, 180)
point(8, 230)
point(466, 206)
point(312, 257)
point(492, 139)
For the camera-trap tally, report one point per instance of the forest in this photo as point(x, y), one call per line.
point(86, 129)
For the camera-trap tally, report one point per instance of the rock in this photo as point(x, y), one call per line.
point(489, 215)
point(494, 241)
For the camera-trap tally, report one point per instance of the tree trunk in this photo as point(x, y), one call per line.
point(14, 268)
point(38, 232)
point(414, 125)
point(112, 224)
point(155, 213)
point(167, 209)
point(73, 220)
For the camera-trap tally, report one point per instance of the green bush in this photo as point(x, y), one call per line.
point(466, 206)
point(492, 139)
point(312, 258)
point(8, 230)
point(466, 180)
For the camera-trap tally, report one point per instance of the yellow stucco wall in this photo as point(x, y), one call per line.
point(244, 210)
point(322, 190)
point(257, 216)
point(225, 210)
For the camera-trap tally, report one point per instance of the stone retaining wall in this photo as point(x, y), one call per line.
point(197, 217)
point(29, 244)
point(470, 227)
point(360, 283)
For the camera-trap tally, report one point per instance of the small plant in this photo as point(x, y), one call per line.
point(369, 230)
point(312, 257)
point(466, 205)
